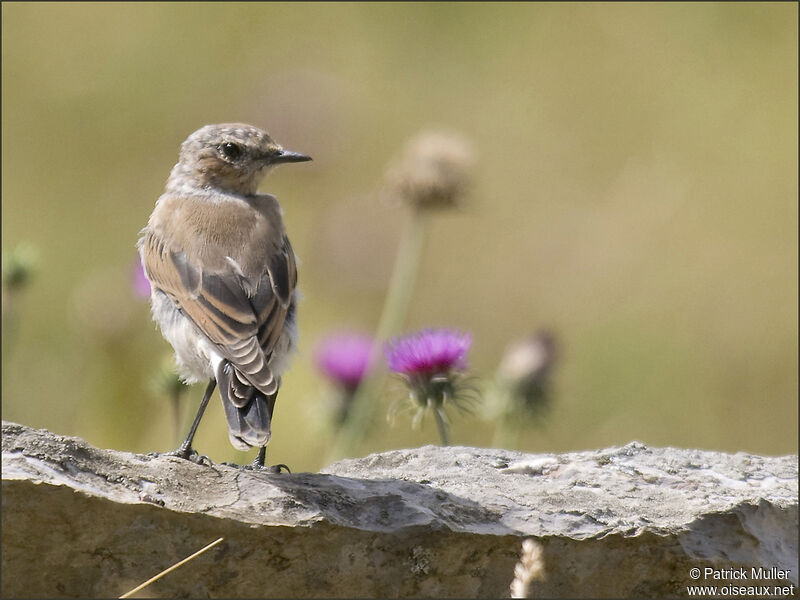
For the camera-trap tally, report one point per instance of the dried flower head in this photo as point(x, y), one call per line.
point(529, 357)
point(530, 568)
point(433, 172)
point(344, 358)
point(524, 376)
point(432, 363)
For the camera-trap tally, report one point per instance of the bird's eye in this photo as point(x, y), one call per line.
point(231, 150)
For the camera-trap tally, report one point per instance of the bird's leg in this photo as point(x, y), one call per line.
point(258, 463)
point(185, 450)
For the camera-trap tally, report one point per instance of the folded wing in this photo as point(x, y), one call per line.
point(243, 319)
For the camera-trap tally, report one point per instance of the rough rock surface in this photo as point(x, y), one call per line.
point(425, 522)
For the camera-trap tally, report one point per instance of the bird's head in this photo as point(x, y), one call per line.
point(232, 157)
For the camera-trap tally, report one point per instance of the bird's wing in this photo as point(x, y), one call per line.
point(274, 301)
point(243, 326)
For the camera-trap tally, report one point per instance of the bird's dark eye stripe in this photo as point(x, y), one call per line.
point(231, 150)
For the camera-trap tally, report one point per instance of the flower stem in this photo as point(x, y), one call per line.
point(395, 309)
point(404, 276)
point(442, 427)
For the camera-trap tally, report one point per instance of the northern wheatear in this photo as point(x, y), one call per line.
point(223, 276)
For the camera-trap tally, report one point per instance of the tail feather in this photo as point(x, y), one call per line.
point(258, 416)
point(241, 392)
point(248, 410)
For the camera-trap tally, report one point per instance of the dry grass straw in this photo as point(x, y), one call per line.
point(170, 569)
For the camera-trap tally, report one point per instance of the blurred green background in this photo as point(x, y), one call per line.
point(636, 192)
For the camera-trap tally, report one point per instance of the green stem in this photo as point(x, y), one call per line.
point(442, 427)
point(395, 309)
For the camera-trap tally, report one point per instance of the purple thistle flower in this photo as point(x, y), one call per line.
point(140, 284)
point(432, 363)
point(344, 358)
point(430, 351)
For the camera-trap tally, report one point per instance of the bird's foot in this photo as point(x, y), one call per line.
point(258, 464)
point(274, 469)
point(190, 454)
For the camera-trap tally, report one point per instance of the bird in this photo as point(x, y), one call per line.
point(223, 278)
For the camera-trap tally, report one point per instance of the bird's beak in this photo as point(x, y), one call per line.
point(286, 156)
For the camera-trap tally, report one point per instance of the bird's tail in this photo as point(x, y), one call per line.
point(248, 410)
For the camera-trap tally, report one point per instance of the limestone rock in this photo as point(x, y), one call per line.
point(424, 522)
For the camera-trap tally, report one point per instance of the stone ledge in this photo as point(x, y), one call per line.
point(424, 522)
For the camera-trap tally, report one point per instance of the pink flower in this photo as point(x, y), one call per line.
point(139, 282)
point(429, 351)
point(344, 358)
point(432, 362)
